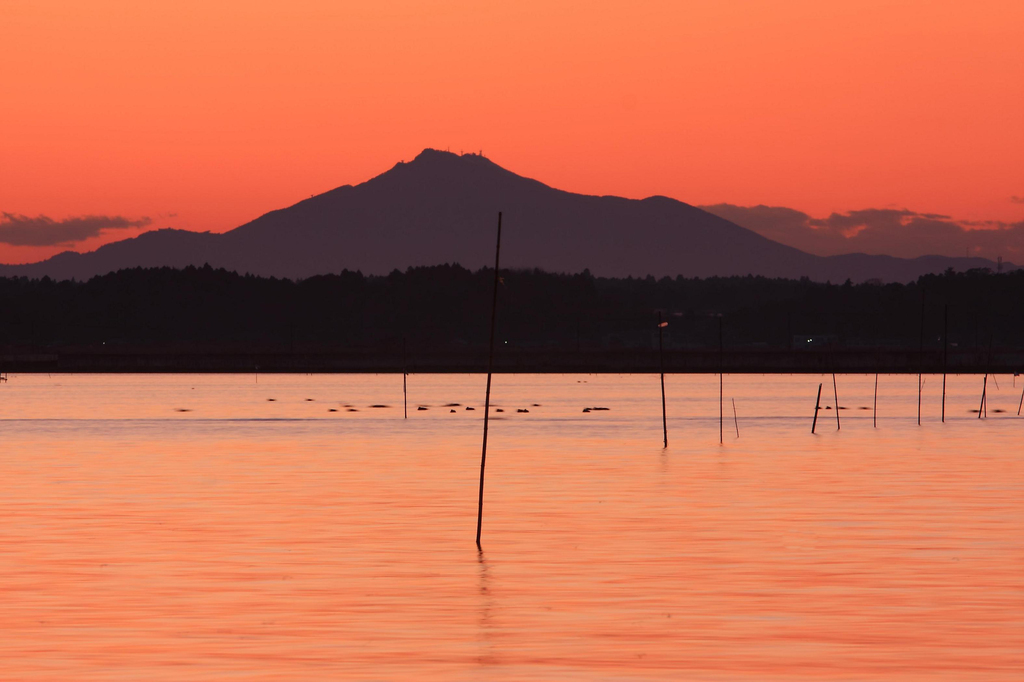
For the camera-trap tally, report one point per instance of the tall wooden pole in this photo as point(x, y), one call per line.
point(405, 388)
point(487, 395)
point(920, 362)
point(661, 356)
point(721, 408)
point(945, 357)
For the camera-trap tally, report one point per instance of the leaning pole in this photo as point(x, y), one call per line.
point(487, 395)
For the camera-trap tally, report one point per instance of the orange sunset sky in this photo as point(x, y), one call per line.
point(205, 114)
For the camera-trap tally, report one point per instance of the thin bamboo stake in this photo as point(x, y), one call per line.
point(945, 357)
point(984, 388)
point(836, 390)
point(721, 432)
point(920, 362)
point(735, 419)
point(405, 388)
point(817, 406)
point(487, 395)
point(661, 356)
point(874, 407)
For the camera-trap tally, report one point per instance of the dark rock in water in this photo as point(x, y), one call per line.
point(181, 409)
point(470, 408)
point(379, 406)
point(453, 405)
point(421, 408)
point(499, 410)
point(451, 411)
point(271, 400)
point(352, 409)
point(599, 409)
point(828, 407)
point(999, 410)
point(535, 405)
point(309, 400)
point(521, 410)
point(863, 408)
point(332, 410)
point(586, 409)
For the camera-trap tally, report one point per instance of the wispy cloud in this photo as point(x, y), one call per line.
point(893, 232)
point(19, 230)
point(1016, 199)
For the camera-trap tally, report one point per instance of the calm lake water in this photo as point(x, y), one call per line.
point(260, 536)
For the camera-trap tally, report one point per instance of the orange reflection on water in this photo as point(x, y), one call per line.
point(276, 540)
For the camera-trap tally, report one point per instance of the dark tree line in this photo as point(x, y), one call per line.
point(446, 308)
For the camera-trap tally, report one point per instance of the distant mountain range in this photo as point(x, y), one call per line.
point(442, 208)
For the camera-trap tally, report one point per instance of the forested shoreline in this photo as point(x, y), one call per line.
point(446, 309)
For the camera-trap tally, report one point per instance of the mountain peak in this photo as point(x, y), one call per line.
point(443, 160)
point(436, 168)
point(443, 155)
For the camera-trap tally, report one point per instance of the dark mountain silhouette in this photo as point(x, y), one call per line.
point(442, 208)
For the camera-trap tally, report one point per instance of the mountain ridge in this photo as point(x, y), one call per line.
point(441, 208)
